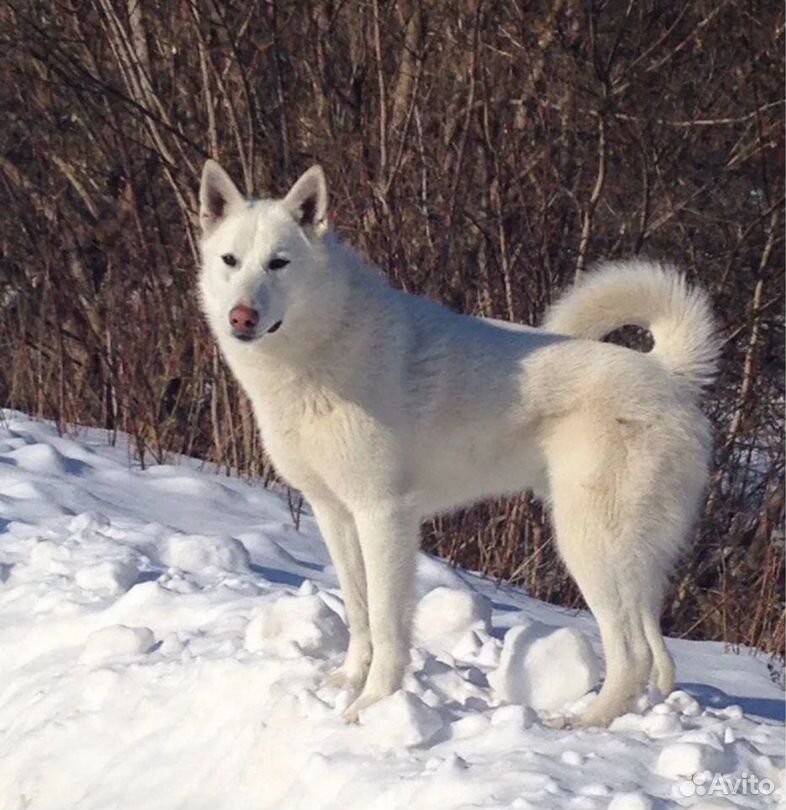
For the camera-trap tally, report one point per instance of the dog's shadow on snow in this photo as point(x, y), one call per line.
point(718, 699)
point(282, 577)
point(278, 576)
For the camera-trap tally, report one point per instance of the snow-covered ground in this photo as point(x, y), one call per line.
point(164, 636)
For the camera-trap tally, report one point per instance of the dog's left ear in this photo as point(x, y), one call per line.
point(307, 200)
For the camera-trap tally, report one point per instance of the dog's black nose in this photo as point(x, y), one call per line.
point(243, 318)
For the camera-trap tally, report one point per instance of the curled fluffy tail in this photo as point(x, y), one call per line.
point(649, 295)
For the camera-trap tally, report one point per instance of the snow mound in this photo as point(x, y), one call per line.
point(117, 640)
point(515, 715)
point(402, 719)
point(298, 624)
point(108, 577)
point(88, 522)
point(636, 800)
point(39, 458)
point(688, 758)
point(544, 667)
point(47, 557)
point(445, 615)
point(196, 552)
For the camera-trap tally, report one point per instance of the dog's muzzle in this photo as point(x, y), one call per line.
point(244, 321)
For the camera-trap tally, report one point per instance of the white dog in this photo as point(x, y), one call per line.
point(385, 408)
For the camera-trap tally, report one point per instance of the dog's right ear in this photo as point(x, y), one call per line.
point(218, 197)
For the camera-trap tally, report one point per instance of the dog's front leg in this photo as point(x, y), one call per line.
point(388, 541)
point(340, 535)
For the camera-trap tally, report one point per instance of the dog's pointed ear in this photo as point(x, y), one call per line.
point(218, 197)
point(307, 200)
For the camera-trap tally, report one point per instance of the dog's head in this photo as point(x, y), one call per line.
point(263, 261)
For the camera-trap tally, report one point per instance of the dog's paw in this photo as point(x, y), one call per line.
point(592, 719)
point(560, 722)
point(345, 678)
point(352, 712)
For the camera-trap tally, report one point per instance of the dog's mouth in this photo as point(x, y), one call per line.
point(248, 337)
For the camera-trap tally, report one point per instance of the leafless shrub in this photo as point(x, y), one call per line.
point(482, 154)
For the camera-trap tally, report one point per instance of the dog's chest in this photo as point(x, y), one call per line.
point(302, 431)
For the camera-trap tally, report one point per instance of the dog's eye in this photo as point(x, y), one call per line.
point(277, 264)
point(229, 260)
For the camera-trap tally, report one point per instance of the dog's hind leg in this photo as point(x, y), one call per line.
point(663, 664)
point(616, 539)
point(592, 556)
point(340, 534)
point(623, 499)
point(389, 541)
